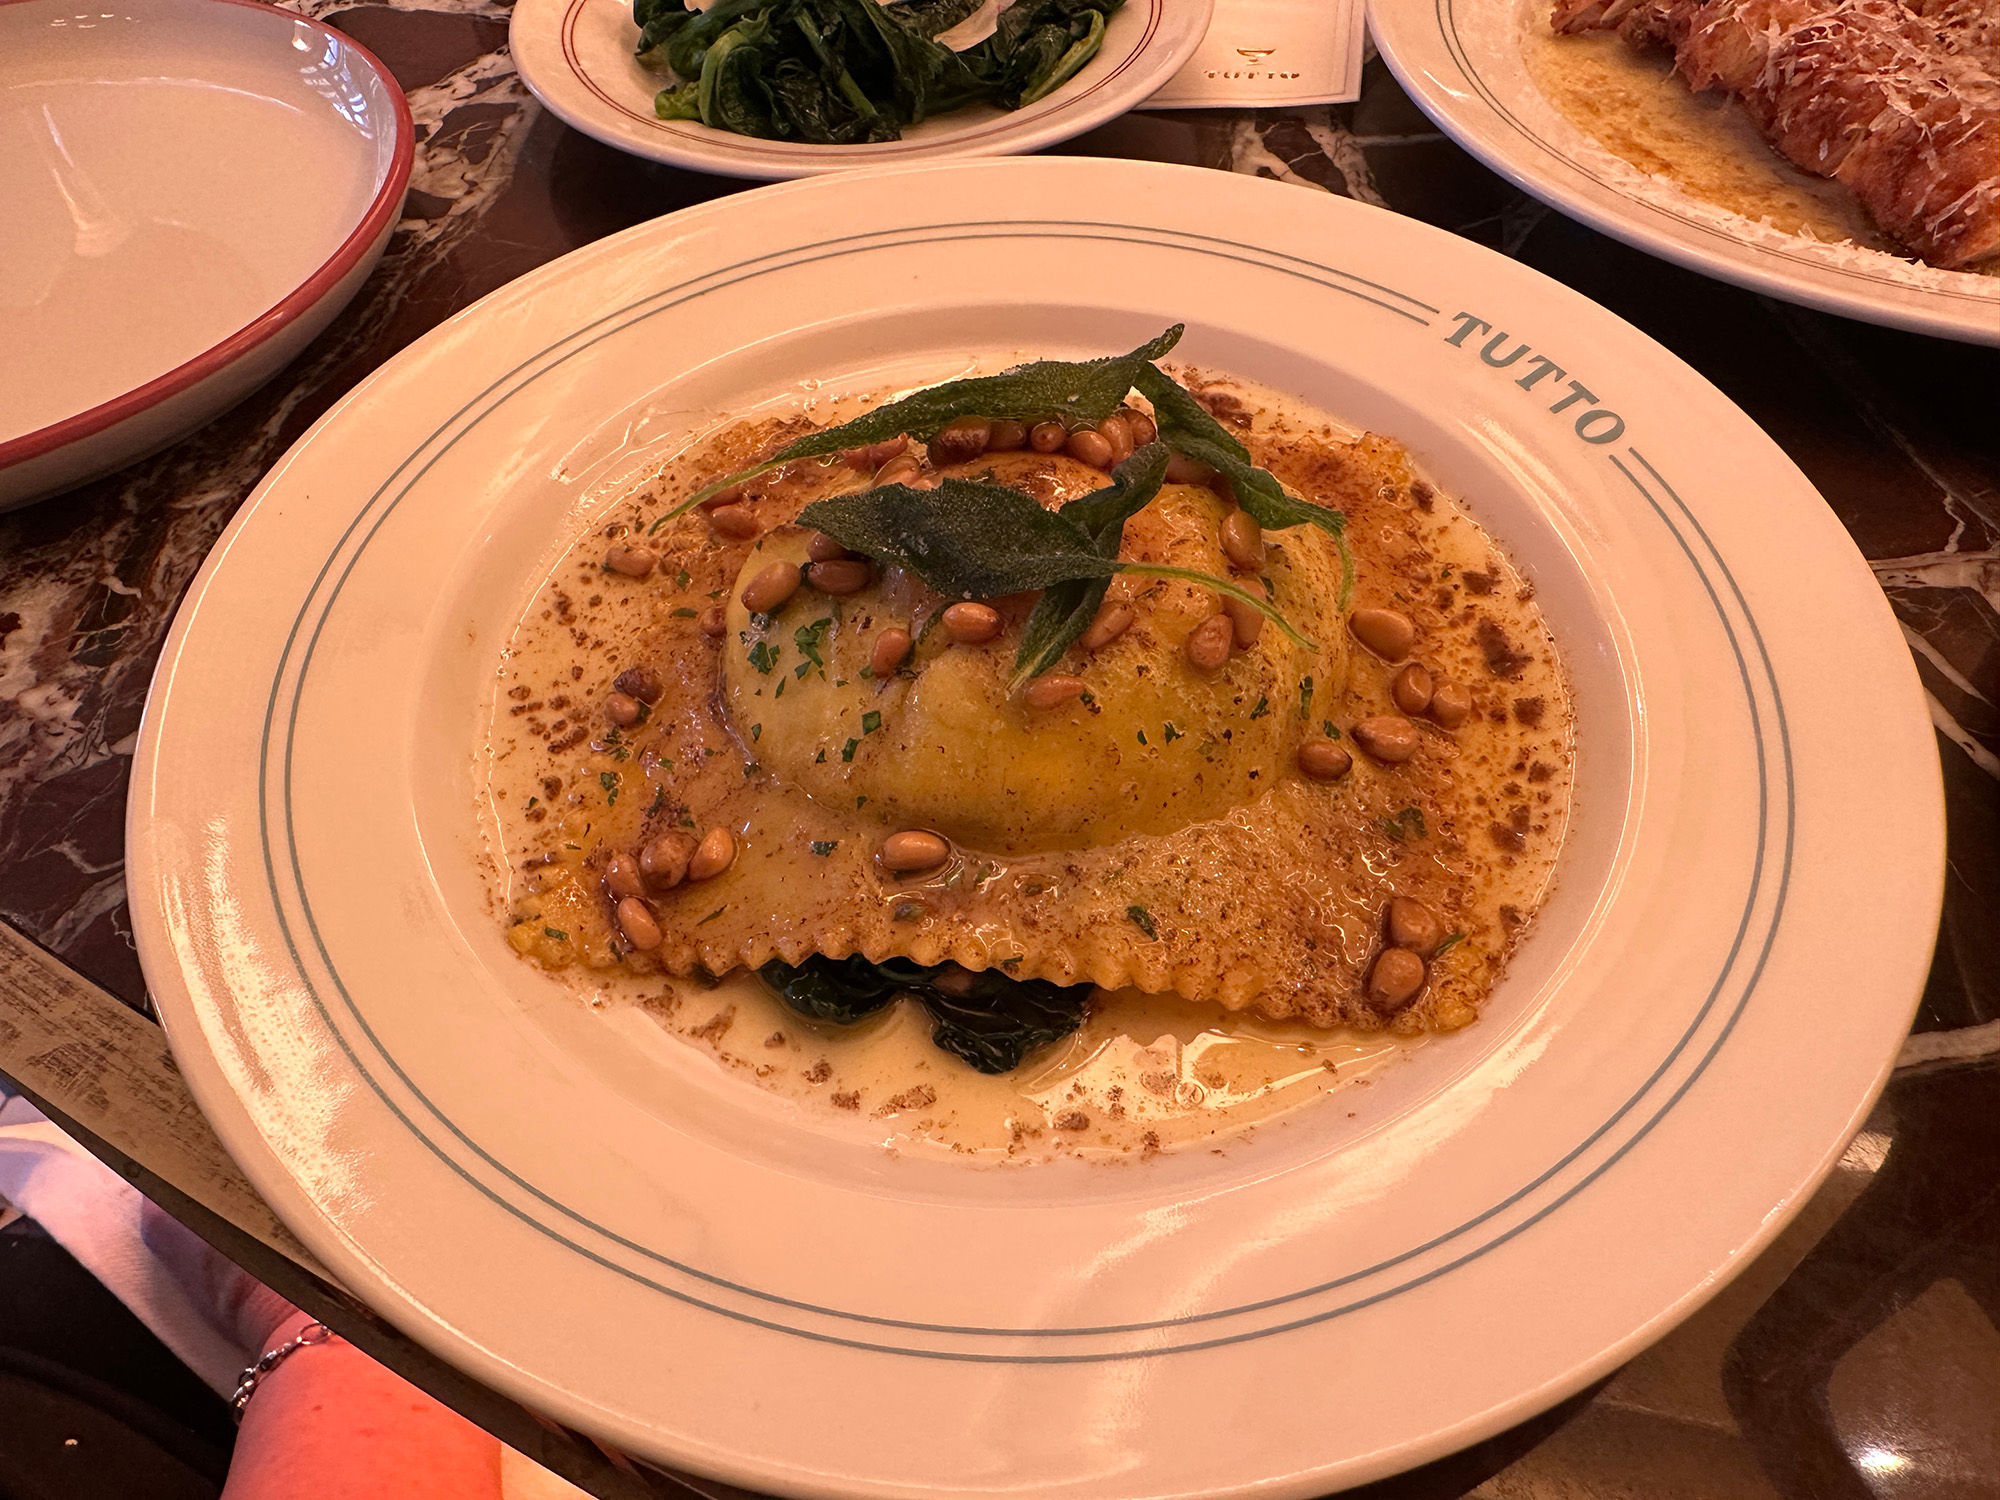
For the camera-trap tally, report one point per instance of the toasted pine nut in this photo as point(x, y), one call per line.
point(734, 495)
point(1389, 633)
point(622, 710)
point(960, 440)
point(1142, 427)
point(972, 624)
point(633, 562)
point(1054, 691)
point(1112, 621)
point(874, 455)
point(1323, 760)
point(1184, 470)
point(1008, 436)
point(1387, 737)
point(1243, 541)
point(898, 471)
point(1115, 431)
point(1246, 621)
point(1046, 437)
point(636, 922)
point(770, 587)
point(890, 651)
point(716, 853)
point(736, 522)
point(1394, 981)
point(714, 622)
point(622, 877)
point(642, 683)
point(1088, 447)
point(1413, 925)
point(664, 860)
point(822, 548)
point(1207, 645)
point(1451, 704)
point(843, 575)
point(912, 850)
point(1412, 689)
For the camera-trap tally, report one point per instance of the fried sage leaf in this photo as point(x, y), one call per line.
point(1076, 392)
point(1187, 428)
point(966, 539)
point(1065, 610)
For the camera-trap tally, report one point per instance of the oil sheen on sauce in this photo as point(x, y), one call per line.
point(1146, 1073)
point(1635, 106)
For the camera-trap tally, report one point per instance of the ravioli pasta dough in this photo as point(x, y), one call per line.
point(1154, 831)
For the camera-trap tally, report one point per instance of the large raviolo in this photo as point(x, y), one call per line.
point(1155, 827)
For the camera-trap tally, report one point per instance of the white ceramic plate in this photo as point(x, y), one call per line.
point(1461, 61)
point(577, 57)
point(192, 189)
point(590, 1214)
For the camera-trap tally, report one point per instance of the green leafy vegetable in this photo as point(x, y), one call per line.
point(1405, 822)
point(848, 71)
point(1186, 427)
point(1142, 919)
point(972, 540)
point(1076, 391)
point(1066, 609)
point(966, 539)
point(992, 1022)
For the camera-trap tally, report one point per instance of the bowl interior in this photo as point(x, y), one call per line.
point(172, 170)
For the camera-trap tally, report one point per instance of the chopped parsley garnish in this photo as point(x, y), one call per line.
point(820, 759)
point(531, 802)
point(808, 638)
point(609, 781)
point(659, 797)
point(683, 613)
point(847, 750)
point(1331, 730)
point(557, 933)
point(756, 733)
point(711, 917)
point(871, 721)
point(1142, 919)
point(1142, 736)
point(751, 768)
point(764, 656)
point(824, 847)
point(681, 581)
point(1263, 707)
point(1305, 697)
point(1169, 732)
point(1405, 823)
point(1450, 942)
point(779, 691)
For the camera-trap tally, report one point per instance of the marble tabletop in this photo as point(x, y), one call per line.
point(1859, 1356)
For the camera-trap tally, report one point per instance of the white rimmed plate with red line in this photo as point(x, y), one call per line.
point(192, 190)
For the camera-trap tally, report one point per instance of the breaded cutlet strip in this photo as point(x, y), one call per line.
point(1862, 91)
point(1969, 27)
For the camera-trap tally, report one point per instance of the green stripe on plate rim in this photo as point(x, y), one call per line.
point(1327, 277)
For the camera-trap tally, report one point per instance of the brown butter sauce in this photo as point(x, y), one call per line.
point(1146, 1073)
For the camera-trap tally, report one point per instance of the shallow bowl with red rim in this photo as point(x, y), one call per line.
point(194, 189)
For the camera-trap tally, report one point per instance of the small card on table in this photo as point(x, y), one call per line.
point(1271, 52)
